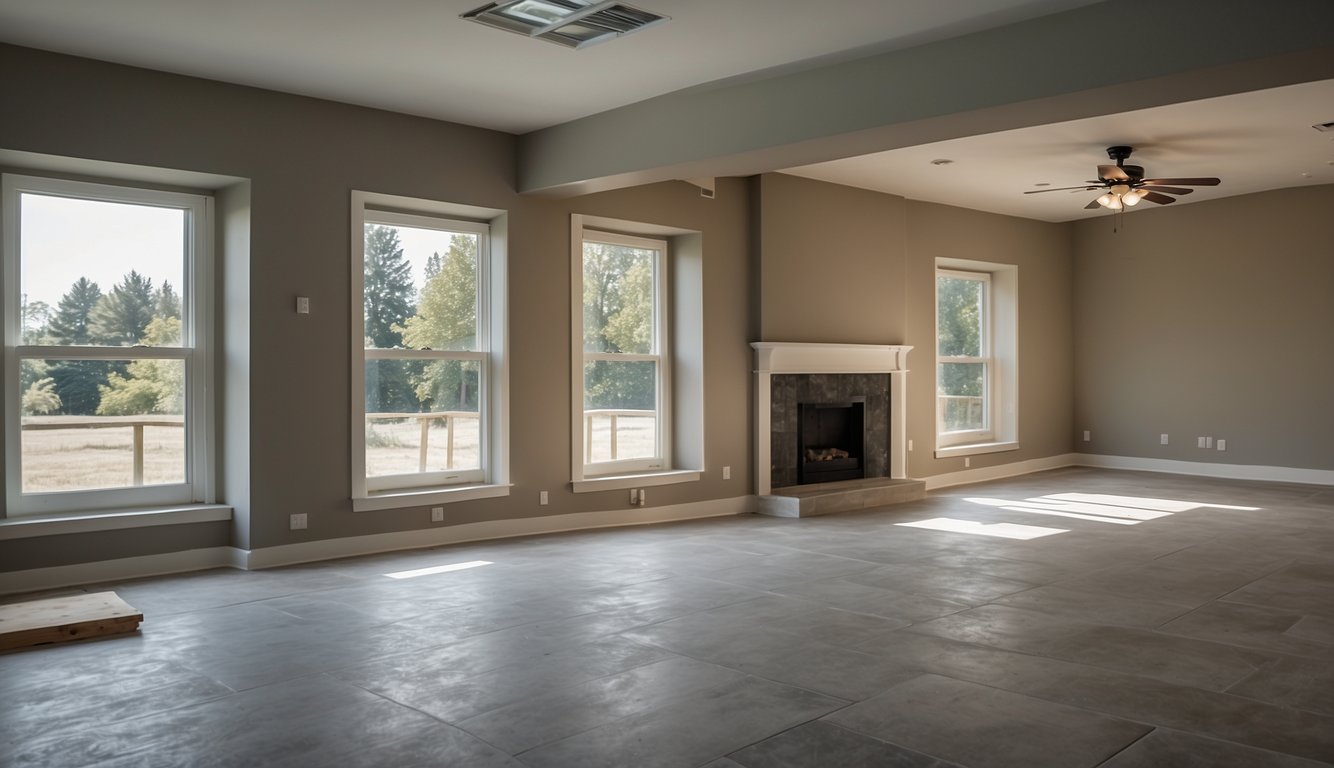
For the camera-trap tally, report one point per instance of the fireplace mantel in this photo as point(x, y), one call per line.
point(774, 357)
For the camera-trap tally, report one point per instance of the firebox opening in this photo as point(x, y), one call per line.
point(831, 441)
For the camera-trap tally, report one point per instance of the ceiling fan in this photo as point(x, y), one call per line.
point(1125, 185)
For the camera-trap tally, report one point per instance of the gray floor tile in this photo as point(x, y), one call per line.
point(1265, 629)
point(1208, 665)
point(568, 711)
point(960, 722)
point(689, 732)
point(1293, 682)
point(877, 601)
point(1181, 750)
point(954, 584)
point(1094, 607)
point(822, 744)
point(1304, 587)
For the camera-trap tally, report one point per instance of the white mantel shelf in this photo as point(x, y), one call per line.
point(778, 357)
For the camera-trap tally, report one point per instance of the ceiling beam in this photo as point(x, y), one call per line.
point(1100, 59)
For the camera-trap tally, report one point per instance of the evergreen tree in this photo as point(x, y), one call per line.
point(147, 386)
point(167, 303)
point(36, 320)
point(387, 288)
point(618, 317)
point(120, 317)
point(70, 324)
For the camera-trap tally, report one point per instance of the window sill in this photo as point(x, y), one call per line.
point(424, 496)
point(641, 480)
point(972, 449)
point(110, 520)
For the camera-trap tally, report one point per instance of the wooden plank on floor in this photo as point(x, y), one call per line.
point(60, 619)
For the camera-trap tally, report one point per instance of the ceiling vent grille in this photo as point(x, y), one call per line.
point(571, 23)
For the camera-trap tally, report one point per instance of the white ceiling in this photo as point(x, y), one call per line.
point(1252, 141)
point(419, 57)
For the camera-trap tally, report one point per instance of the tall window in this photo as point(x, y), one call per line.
point(964, 362)
point(429, 381)
point(105, 357)
point(625, 354)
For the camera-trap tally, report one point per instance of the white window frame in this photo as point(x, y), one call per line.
point(194, 351)
point(661, 355)
point(443, 486)
point(985, 358)
point(1001, 335)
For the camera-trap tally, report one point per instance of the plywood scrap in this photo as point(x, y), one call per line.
point(60, 619)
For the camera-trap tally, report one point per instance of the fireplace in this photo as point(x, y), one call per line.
point(789, 374)
point(831, 441)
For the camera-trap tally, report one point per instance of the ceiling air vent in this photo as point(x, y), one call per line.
point(1325, 127)
point(572, 23)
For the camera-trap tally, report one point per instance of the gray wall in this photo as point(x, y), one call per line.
point(1213, 319)
point(287, 441)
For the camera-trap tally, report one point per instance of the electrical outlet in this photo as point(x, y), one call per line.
point(642, 500)
point(967, 462)
point(1162, 439)
point(1087, 436)
point(1222, 444)
point(727, 473)
point(1208, 442)
point(910, 445)
point(298, 522)
point(1199, 442)
point(542, 498)
point(437, 514)
point(303, 305)
point(634, 496)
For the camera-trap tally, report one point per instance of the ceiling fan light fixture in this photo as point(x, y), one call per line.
point(1110, 201)
point(1132, 197)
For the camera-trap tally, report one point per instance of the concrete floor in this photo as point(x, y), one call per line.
point(1153, 620)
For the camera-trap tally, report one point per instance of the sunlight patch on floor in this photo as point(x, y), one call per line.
point(998, 530)
point(437, 569)
point(1138, 502)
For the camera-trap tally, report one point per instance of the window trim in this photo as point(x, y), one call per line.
point(491, 478)
point(195, 351)
point(590, 476)
point(1001, 331)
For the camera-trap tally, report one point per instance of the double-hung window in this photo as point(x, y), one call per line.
point(106, 367)
point(426, 378)
point(625, 367)
point(964, 362)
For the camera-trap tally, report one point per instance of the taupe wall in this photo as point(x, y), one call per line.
point(848, 265)
point(831, 262)
point(302, 158)
point(1213, 319)
point(1046, 339)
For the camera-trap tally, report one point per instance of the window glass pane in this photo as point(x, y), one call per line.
point(620, 410)
point(959, 316)
point(618, 298)
point(103, 273)
point(90, 424)
point(420, 288)
point(961, 396)
point(422, 416)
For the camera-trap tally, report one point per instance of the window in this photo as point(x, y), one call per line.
point(428, 378)
point(975, 356)
point(106, 322)
point(963, 356)
point(625, 366)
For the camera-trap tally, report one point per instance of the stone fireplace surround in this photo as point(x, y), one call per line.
point(779, 358)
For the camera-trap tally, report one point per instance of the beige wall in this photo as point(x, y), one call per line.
point(1213, 319)
point(839, 264)
point(1046, 340)
point(302, 158)
point(831, 262)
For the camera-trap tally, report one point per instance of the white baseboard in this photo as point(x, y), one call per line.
point(121, 569)
point(328, 549)
point(1208, 469)
point(999, 471)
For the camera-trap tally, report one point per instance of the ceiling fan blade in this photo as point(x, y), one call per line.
point(1093, 205)
point(1199, 182)
point(1112, 172)
point(1058, 189)
point(1168, 190)
point(1154, 197)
